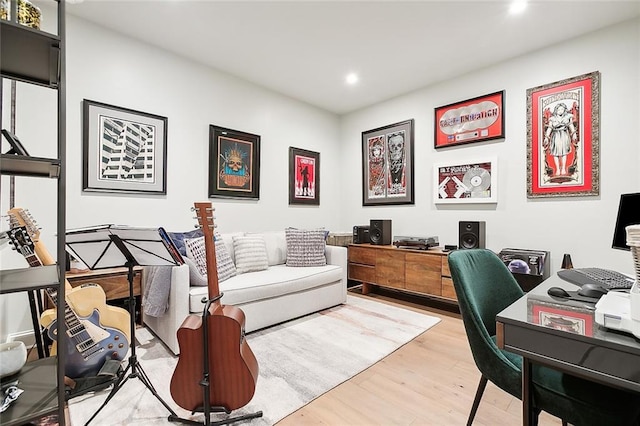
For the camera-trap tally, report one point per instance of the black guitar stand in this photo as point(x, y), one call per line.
point(110, 246)
point(207, 409)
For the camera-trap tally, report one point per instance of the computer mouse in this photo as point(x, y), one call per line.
point(592, 290)
point(558, 292)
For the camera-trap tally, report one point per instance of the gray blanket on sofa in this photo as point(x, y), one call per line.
point(155, 300)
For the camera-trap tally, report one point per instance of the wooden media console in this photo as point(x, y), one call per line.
point(423, 272)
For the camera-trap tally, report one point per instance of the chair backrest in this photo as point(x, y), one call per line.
point(484, 287)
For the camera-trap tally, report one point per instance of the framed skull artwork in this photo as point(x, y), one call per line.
point(234, 164)
point(387, 165)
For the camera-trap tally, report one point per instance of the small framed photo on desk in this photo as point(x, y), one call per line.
point(566, 316)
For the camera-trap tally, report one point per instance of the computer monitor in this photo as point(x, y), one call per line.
point(628, 214)
point(16, 146)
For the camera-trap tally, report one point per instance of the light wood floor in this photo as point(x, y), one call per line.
point(430, 381)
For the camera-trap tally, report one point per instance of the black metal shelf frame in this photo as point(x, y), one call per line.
point(37, 57)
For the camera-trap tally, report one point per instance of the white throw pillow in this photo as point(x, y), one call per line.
point(306, 247)
point(196, 250)
point(276, 246)
point(251, 253)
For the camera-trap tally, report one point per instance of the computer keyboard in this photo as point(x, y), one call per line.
point(603, 277)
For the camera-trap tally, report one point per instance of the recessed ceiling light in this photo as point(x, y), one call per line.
point(352, 78)
point(517, 6)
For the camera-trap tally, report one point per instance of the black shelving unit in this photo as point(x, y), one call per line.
point(37, 57)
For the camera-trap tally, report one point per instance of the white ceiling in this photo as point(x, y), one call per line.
point(304, 49)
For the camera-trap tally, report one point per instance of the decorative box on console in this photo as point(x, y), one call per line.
point(342, 239)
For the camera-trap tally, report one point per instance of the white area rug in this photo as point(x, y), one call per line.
point(299, 361)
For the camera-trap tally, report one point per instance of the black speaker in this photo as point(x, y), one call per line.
point(380, 231)
point(471, 235)
point(361, 234)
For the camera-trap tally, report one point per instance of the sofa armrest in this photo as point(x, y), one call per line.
point(166, 326)
point(337, 255)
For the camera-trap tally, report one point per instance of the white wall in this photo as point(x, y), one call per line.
point(581, 226)
point(106, 67)
point(109, 68)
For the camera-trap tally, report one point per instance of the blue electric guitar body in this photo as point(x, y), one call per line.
point(89, 343)
point(95, 330)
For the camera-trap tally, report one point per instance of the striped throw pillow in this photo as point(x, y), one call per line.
point(305, 247)
point(251, 253)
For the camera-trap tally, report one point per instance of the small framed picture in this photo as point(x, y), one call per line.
point(304, 177)
point(474, 120)
point(387, 165)
point(123, 150)
point(571, 319)
point(234, 164)
point(563, 138)
point(467, 182)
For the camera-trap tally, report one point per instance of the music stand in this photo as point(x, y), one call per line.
point(111, 246)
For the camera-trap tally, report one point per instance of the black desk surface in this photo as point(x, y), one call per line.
point(601, 354)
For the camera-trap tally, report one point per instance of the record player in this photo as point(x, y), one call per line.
point(420, 243)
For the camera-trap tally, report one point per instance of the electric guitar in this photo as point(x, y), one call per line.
point(231, 363)
point(96, 332)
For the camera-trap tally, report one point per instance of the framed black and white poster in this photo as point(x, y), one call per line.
point(123, 150)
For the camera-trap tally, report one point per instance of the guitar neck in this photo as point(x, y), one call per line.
point(70, 317)
point(205, 220)
point(74, 326)
point(46, 259)
point(33, 260)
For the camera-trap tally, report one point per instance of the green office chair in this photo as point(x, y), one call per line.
point(484, 287)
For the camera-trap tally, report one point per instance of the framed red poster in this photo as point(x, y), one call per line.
point(563, 138)
point(474, 120)
point(304, 177)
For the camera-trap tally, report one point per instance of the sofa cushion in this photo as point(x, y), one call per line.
point(179, 237)
point(251, 253)
point(271, 283)
point(276, 243)
point(196, 251)
point(305, 247)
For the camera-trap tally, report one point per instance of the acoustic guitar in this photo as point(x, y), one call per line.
point(232, 365)
point(96, 331)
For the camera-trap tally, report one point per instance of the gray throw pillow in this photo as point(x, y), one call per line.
point(306, 247)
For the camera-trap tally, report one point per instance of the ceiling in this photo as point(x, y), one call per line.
point(304, 49)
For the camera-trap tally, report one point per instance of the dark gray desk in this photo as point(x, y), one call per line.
point(601, 355)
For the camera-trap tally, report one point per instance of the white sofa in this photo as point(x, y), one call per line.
point(271, 296)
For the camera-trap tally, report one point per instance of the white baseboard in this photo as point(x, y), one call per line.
point(27, 337)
